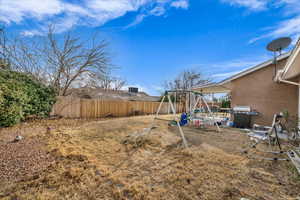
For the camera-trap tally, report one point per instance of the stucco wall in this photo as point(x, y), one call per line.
point(259, 91)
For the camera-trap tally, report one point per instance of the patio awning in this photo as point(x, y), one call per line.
point(212, 88)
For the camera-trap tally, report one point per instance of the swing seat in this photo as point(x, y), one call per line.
point(183, 119)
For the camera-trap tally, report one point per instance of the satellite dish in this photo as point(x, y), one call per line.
point(279, 44)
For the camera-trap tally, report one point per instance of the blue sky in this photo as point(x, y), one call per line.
point(153, 40)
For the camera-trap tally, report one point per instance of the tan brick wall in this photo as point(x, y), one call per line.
point(259, 91)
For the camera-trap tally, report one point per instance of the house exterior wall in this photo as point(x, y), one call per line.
point(259, 91)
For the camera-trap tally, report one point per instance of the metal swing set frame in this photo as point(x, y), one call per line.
point(190, 106)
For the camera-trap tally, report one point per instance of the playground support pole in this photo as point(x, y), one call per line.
point(179, 127)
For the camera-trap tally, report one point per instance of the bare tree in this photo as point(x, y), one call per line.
point(186, 80)
point(106, 81)
point(118, 83)
point(3, 58)
point(61, 63)
point(74, 60)
point(25, 56)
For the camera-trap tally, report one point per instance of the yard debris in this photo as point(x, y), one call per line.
point(18, 138)
point(155, 139)
point(137, 139)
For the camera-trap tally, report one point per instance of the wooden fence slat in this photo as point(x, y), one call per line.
point(94, 108)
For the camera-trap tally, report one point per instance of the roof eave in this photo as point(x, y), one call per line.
point(253, 69)
point(243, 73)
point(212, 88)
point(290, 62)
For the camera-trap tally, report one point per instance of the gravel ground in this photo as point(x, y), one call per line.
point(22, 159)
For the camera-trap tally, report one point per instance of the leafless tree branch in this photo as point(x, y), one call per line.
point(187, 80)
point(60, 62)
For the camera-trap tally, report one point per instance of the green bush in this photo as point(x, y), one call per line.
point(225, 103)
point(21, 96)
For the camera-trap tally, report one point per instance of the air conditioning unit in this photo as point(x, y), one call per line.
point(133, 89)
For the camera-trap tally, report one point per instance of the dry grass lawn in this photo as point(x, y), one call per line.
point(90, 161)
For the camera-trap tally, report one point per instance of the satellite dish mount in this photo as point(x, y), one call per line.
point(276, 46)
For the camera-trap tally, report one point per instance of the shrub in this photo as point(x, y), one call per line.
point(225, 103)
point(21, 96)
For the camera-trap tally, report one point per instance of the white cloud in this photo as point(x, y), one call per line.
point(114, 6)
point(288, 27)
point(255, 5)
point(221, 70)
point(158, 11)
point(87, 12)
point(31, 33)
point(137, 20)
point(291, 6)
point(242, 63)
point(16, 11)
point(184, 4)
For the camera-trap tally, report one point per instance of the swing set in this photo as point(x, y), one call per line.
point(192, 100)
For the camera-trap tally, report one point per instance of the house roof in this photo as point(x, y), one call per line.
point(292, 67)
point(219, 86)
point(255, 68)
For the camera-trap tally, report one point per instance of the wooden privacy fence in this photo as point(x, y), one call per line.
point(93, 108)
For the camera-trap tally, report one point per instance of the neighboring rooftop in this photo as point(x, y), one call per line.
point(105, 94)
